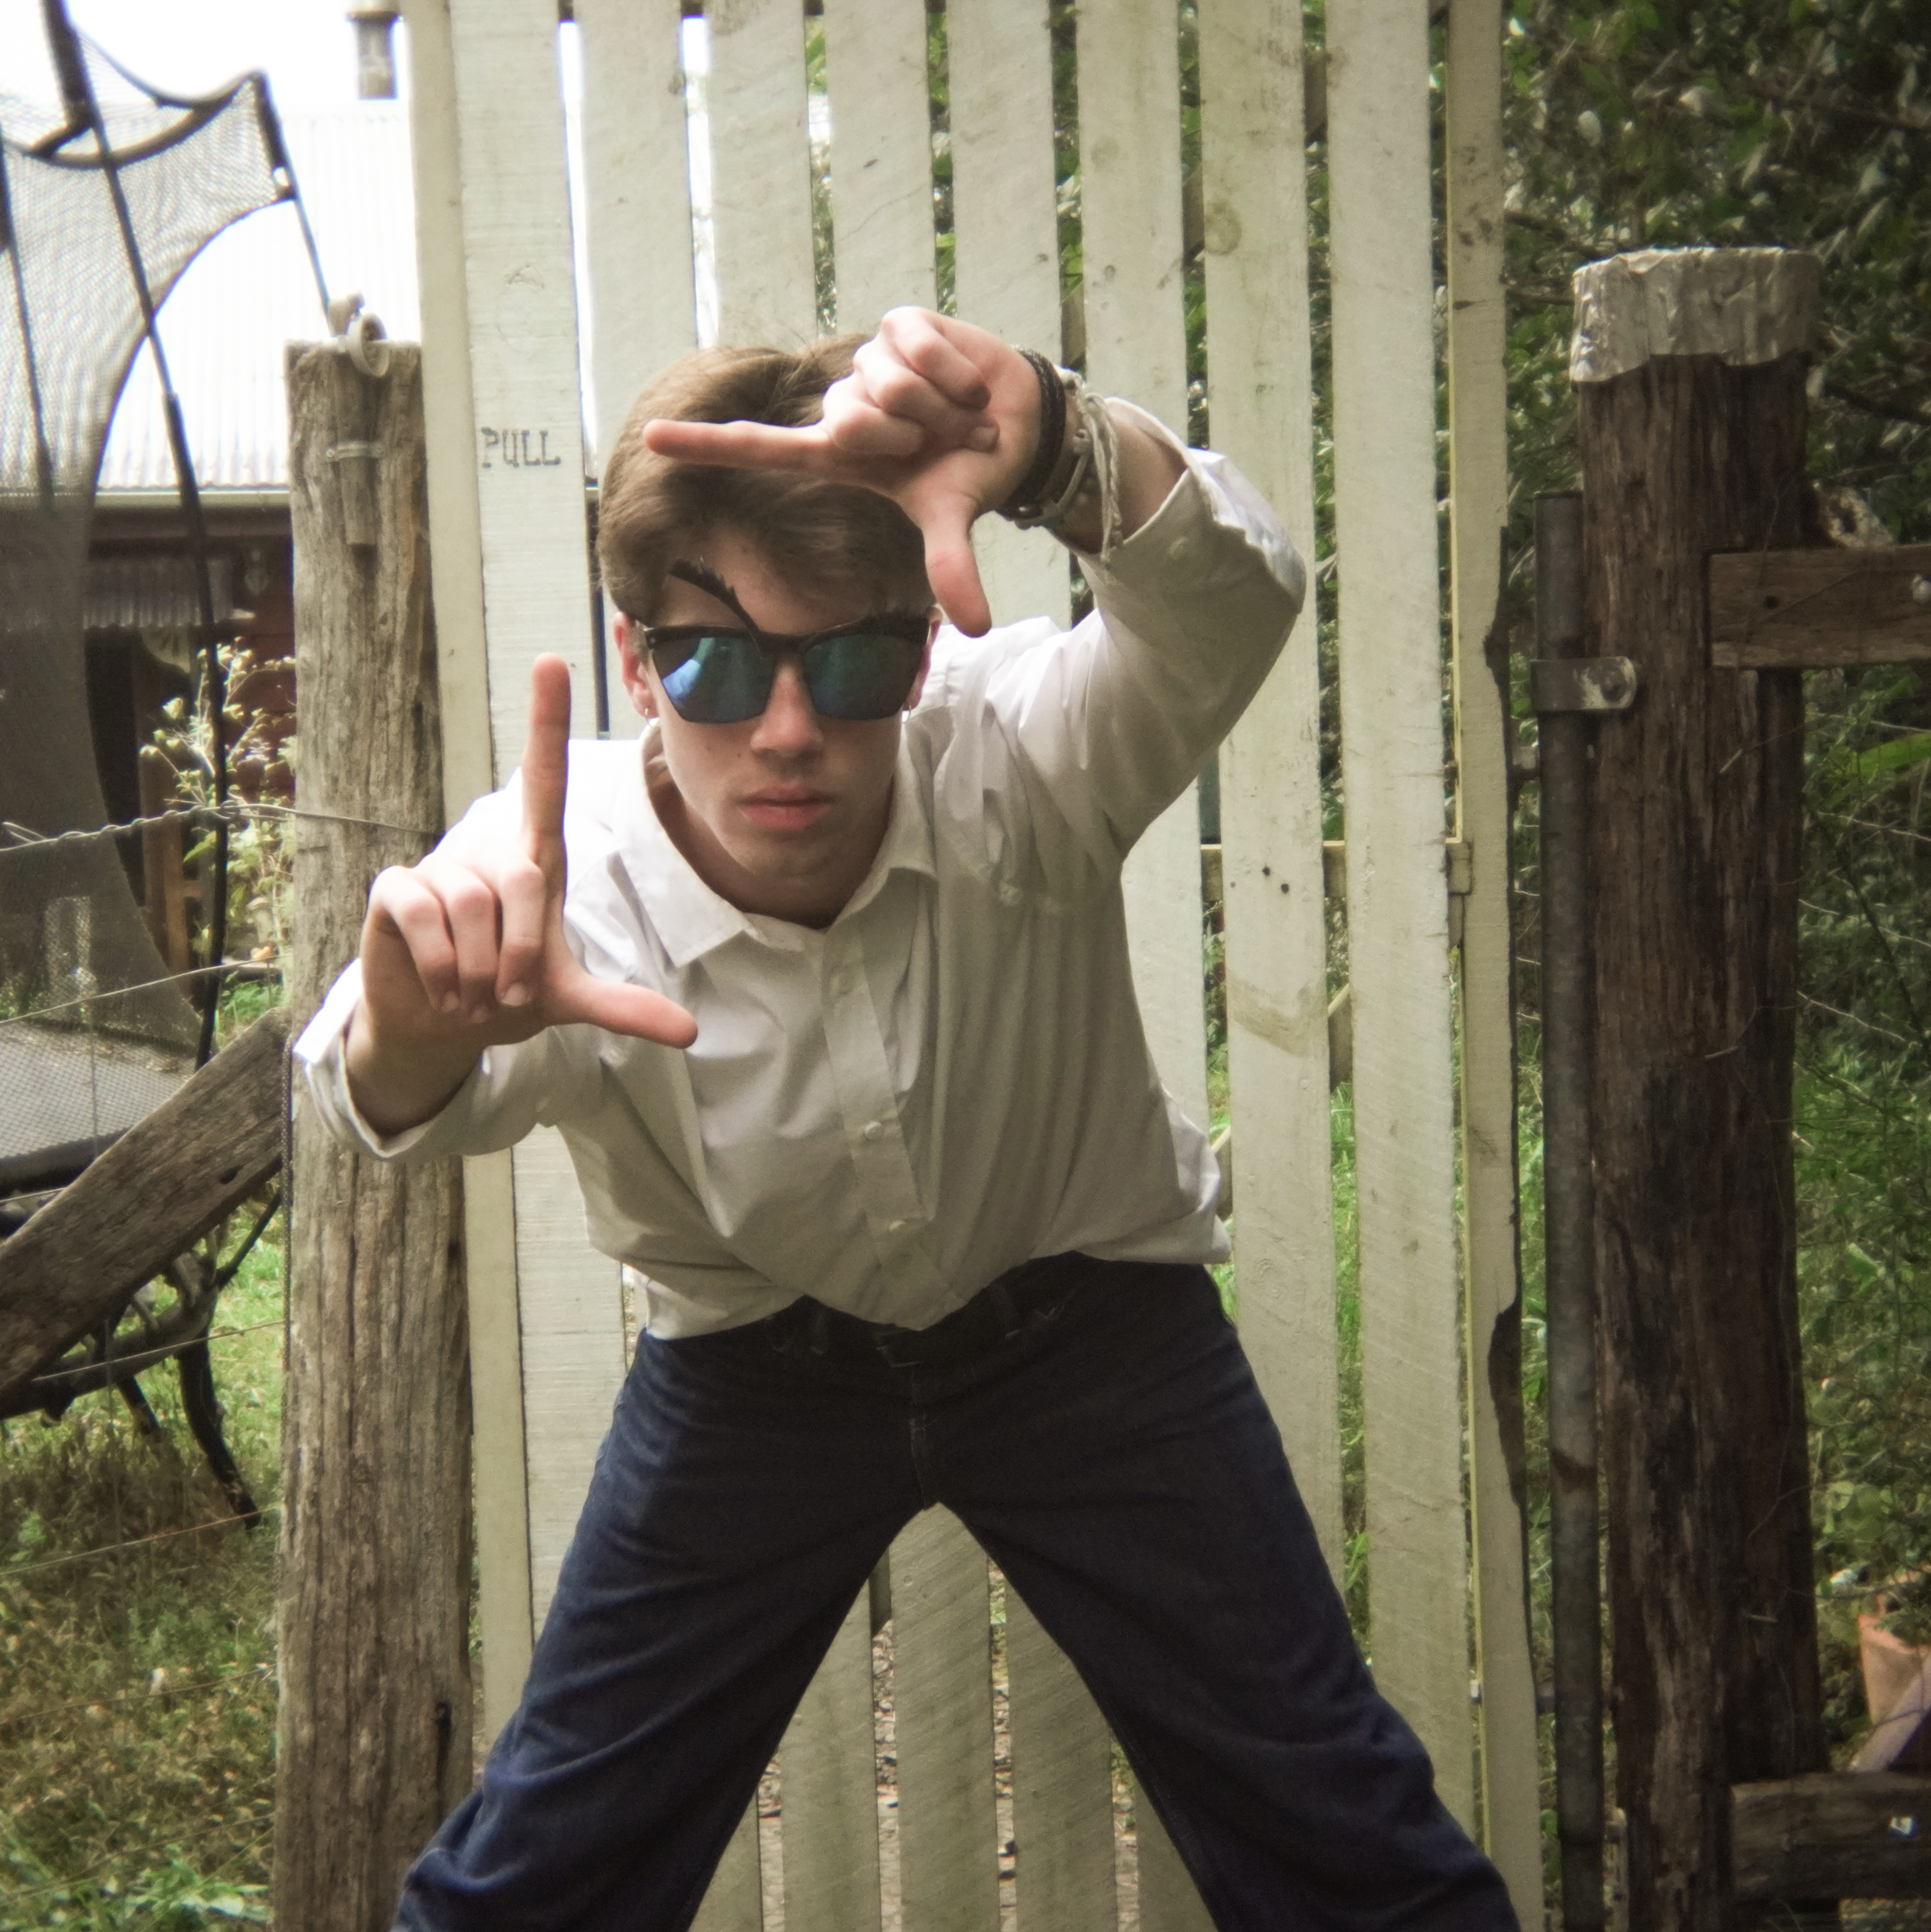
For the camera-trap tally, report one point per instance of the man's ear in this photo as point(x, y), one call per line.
point(631, 663)
point(912, 696)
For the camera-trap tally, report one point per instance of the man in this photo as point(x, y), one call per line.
point(826, 987)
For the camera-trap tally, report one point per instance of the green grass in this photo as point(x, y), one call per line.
point(137, 1693)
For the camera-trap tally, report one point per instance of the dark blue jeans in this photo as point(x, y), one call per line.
point(1118, 1464)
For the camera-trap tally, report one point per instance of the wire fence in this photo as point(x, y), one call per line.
point(135, 1543)
point(121, 1362)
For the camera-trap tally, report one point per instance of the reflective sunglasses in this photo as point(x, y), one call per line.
point(715, 674)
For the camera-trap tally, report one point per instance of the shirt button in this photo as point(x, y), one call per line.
point(874, 1130)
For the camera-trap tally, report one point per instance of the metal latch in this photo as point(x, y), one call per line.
point(1581, 684)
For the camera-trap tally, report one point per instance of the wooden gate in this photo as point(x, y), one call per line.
point(513, 364)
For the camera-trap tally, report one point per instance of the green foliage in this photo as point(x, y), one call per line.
point(137, 1688)
point(1863, 1162)
point(1805, 126)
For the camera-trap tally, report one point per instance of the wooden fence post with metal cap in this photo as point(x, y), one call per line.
point(1690, 366)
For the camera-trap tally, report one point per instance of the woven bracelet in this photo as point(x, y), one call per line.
point(1024, 499)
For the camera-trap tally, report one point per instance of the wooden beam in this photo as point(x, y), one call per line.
point(1392, 755)
point(1261, 405)
point(1506, 1767)
point(469, 770)
point(1834, 1834)
point(1005, 234)
point(372, 1595)
point(1693, 922)
point(161, 1186)
point(942, 1690)
point(1803, 610)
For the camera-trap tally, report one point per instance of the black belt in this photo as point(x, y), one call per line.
point(1021, 1300)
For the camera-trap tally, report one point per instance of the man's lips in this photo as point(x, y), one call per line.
point(784, 808)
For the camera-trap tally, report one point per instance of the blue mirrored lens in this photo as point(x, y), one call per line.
point(725, 680)
point(724, 677)
point(860, 674)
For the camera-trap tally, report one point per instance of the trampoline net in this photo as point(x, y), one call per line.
point(94, 1029)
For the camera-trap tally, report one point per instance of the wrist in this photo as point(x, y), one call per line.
point(1070, 487)
point(399, 1082)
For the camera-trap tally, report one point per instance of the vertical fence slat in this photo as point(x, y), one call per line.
point(573, 1350)
point(1005, 242)
point(761, 173)
point(1397, 897)
point(735, 1900)
point(456, 568)
point(1261, 409)
point(638, 184)
point(828, 1766)
point(1062, 1785)
point(942, 1703)
point(520, 289)
point(1136, 346)
point(1007, 279)
point(881, 156)
point(1005, 239)
point(1506, 1757)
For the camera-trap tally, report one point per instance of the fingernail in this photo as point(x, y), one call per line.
point(985, 438)
point(517, 995)
point(451, 1002)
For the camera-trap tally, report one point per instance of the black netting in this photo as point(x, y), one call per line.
point(93, 1027)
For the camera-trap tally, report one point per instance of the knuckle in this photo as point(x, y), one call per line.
point(468, 897)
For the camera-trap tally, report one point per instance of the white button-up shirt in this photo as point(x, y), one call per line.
point(952, 1078)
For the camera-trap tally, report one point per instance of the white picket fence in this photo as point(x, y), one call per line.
point(502, 331)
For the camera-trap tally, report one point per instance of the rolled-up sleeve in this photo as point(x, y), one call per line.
point(510, 1090)
point(1107, 725)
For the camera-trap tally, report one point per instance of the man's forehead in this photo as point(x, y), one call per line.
point(732, 569)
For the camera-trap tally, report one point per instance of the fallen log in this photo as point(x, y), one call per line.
point(161, 1186)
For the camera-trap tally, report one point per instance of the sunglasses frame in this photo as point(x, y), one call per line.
point(901, 625)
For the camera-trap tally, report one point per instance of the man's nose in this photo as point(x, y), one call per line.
point(790, 722)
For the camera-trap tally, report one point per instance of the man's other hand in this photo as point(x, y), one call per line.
point(940, 416)
point(466, 949)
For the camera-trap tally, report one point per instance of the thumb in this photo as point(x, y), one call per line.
point(952, 570)
point(619, 1007)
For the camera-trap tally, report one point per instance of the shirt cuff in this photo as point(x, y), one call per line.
point(1214, 528)
point(323, 1050)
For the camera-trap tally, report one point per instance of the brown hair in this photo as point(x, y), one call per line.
point(653, 508)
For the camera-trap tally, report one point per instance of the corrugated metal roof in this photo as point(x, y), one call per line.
point(252, 290)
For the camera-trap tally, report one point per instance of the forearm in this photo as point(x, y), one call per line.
point(398, 1084)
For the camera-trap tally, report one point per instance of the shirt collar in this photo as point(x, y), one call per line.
point(691, 920)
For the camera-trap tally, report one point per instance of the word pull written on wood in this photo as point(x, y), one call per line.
point(518, 449)
point(1819, 609)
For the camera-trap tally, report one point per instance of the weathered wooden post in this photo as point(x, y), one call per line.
point(1691, 368)
point(374, 1736)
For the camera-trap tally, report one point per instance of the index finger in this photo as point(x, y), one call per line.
point(546, 758)
point(739, 445)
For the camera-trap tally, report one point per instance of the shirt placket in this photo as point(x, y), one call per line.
point(869, 1103)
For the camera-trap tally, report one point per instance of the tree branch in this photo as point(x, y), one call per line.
point(1891, 409)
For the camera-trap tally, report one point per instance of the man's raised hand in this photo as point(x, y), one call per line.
point(466, 949)
point(940, 416)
